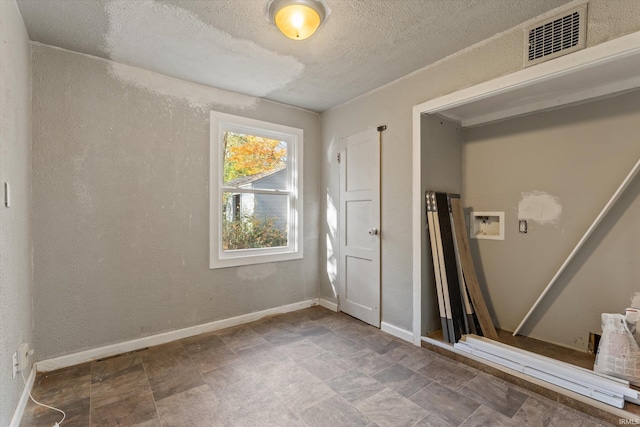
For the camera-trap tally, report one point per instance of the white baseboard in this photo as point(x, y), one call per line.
point(137, 344)
point(24, 399)
point(328, 304)
point(397, 332)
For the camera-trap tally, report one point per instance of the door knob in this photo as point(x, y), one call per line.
point(373, 232)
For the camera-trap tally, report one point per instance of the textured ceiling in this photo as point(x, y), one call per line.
point(230, 44)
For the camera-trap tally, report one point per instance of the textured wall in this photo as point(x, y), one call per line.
point(578, 156)
point(121, 215)
point(15, 228)
point(392, 105)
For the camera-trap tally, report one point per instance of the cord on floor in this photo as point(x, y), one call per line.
point(42, 404)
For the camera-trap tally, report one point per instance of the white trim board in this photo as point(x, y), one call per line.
point(24, 399)
point(416, 224)
point(397, 332)
point(600, 70)
point(575, 396)
point(139, 343)
point(588, 383)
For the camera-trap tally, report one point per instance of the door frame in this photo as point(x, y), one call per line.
point(607, 56)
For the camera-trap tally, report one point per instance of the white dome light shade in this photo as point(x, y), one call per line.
point(297, 19)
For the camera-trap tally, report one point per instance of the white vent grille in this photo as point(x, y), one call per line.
point(557, 36)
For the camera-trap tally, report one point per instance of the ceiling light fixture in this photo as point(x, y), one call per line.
point(297, 19)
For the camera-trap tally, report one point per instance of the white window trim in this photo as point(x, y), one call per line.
point(219, 122)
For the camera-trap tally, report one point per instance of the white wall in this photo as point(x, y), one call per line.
point(392, 105)
point(121, 209)
point(15, 221)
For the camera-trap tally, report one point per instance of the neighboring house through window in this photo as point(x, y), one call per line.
point(256, 191)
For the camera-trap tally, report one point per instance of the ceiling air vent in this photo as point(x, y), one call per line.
point(557, 36)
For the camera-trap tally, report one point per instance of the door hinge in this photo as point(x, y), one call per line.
point(338, 157)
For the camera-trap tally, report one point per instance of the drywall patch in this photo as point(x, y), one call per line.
point(540, 207)
point(157, 37)
point(194, 95)
point(257, 271)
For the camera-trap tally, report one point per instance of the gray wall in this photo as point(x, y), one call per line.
point(579, 155)
point(121, 214)
point(441, 159)
point(392, 105)
point(120, 209)
point(15, 222)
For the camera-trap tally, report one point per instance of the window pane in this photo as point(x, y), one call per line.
point(252, 220)
point(254, 162)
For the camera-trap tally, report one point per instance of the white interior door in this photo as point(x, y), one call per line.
point(359, 267)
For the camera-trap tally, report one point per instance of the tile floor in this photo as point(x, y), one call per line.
point(307, 368)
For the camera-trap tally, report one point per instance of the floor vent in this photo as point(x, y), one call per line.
point(557, 36)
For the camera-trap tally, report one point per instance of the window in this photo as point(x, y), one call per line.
point(255, 191)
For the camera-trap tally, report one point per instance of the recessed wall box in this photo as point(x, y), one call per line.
point(487, 225)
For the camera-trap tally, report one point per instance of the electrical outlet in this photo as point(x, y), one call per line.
point(21, 358)
point(14, 363)
point(522, 226)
